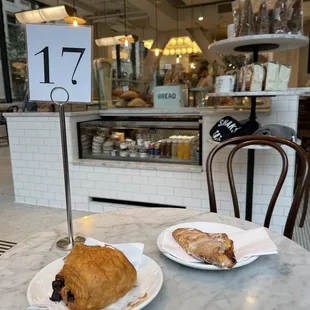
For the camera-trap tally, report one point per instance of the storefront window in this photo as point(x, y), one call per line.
point(16, 47)
point(2, 93)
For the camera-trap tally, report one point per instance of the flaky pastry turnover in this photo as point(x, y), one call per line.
point(216, 249)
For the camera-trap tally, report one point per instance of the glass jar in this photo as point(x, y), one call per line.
point(174, 148)
point(187, 150)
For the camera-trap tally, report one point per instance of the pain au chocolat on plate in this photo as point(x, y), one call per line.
point(93, 277)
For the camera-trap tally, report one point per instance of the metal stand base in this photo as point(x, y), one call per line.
point(64, 244)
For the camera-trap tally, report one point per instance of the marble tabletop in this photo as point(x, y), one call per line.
point(273, 282)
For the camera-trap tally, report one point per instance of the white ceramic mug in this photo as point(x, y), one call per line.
point(224, 84)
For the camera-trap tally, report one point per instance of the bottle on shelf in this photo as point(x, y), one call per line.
point(168, 147)
point(187, 149)
point(157, 150)
point(180, 149)
point(163, 147)
point(174, 148)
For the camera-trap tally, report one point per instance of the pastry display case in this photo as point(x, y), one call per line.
point(159, 139)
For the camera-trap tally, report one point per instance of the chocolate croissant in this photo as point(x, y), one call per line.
point(215, 249)
point(93, 277)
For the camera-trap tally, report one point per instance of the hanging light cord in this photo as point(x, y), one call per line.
point(192, 24)
point(156, 22)
point(125, 16)
point(105, 12)
point(177, 23)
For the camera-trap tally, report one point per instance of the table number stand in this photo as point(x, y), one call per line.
point(67, 243)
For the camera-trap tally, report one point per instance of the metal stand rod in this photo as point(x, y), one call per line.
point(69, 242)
point(251, 155)
point(249, 185)
point(63, 133)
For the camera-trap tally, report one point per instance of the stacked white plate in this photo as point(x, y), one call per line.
point(97, 145)
point(107, 147)
point(86, 141)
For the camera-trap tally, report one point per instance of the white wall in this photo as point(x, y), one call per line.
point(38, 176)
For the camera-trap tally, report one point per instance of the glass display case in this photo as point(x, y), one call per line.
point(160, 139)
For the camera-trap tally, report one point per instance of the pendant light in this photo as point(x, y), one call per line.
point(126, 39)
point(156, 50)
point(74, 19)
point(48, 14)
point(112, 40)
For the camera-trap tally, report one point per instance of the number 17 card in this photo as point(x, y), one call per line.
point(59, 56)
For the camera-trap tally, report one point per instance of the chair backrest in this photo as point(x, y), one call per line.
point(275, 143)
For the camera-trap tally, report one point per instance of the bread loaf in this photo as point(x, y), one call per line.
point(129, 95)
point(137, 102)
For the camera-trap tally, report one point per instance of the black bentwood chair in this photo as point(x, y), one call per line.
point(275, 143)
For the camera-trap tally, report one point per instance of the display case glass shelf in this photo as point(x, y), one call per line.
point(159, 139)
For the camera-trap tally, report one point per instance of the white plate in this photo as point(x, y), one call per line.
point(205, 227)
point(150, 280)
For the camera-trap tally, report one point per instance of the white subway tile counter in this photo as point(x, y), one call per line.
point(38, 178)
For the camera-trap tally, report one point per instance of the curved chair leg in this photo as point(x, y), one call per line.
point(305, 209)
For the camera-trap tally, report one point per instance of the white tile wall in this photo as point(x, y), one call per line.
point(38, 179)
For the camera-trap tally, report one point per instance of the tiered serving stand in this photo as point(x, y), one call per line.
point(256, 44)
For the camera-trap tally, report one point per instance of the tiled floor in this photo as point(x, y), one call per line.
point(17, 220)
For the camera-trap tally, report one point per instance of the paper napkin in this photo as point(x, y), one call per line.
point(134, 253)
point(247, 243)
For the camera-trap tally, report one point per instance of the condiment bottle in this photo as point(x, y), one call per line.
point(157, 149)
point(168, 148)
point(163, 148)
point(174, 148)
point(180, 149)
point(187, 150)
point(193, 151)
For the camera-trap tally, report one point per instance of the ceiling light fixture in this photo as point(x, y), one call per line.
point(74, 19)
point(112, 40)
point(156, 50)
point(200, 18)
point(108, 41)
point(126, 39)
point(44, 15)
